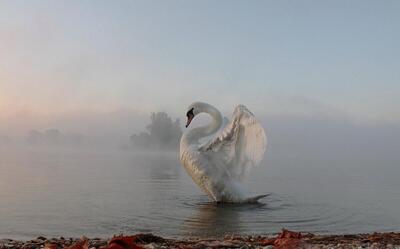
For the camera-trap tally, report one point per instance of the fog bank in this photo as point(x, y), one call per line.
point(302, 134)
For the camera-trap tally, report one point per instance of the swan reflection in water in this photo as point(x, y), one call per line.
point(216, 220)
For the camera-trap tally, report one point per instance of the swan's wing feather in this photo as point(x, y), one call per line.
point(204, 142)
point(239, 146)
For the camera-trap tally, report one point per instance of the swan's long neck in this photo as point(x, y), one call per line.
point(195, 134)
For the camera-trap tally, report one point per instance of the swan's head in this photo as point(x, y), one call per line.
point(193, 110)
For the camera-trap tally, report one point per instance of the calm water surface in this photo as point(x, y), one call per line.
point(101, 193)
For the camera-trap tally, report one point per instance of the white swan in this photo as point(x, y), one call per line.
point(231, 149)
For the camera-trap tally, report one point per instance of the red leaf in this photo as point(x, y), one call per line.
point(123, 242)
point(285, 240)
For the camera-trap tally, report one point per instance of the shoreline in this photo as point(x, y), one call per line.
point(284, 240)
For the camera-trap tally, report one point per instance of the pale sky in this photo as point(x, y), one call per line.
point(277, 57)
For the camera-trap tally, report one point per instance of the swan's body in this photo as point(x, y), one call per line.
point(231, 149)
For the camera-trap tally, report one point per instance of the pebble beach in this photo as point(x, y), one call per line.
point(284, 240)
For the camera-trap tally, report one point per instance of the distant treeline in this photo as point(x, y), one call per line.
point(162, 133)
point(54, 137)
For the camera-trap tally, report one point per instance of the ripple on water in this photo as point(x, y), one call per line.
point(271, 215)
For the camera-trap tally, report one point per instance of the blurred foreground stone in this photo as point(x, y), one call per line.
point(285, 240)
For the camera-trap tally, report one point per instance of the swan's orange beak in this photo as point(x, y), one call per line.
point(189, 119)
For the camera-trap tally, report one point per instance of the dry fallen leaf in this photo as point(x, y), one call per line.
point(50, 246)
point(285, 240)
point(81, 244)
point(123, 242)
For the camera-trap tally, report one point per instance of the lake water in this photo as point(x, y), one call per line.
point(105, 192)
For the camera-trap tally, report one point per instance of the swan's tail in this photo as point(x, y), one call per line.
point(250, 200)
point(254, 199)
point(234, 193)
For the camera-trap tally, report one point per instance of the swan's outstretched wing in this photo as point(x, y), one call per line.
point(239, 146)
